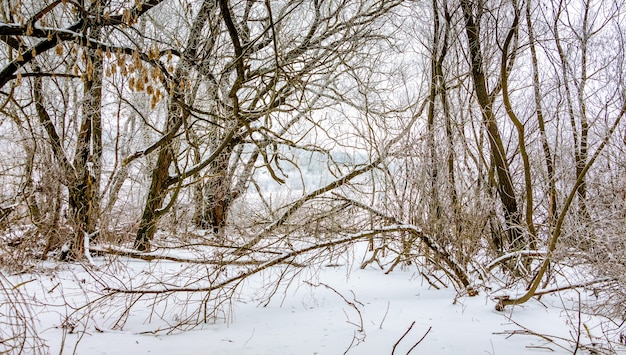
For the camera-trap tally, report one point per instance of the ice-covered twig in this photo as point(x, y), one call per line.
point(548, 290)
point(288, 258)
point(341, 181)
point(456, 268)
point(515, 254)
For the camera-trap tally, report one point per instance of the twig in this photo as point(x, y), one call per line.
point(419, 341)
point(393, 350)
point(578, 328)
point(428, 280)
point(440, 281)
point(539, 347)
point(527, 331)
point(350, 303)
point(573, 286)
point(384, 316)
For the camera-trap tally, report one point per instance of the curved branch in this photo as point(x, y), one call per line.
point(506, 301)
point(234, 36)
point(519, 126)
point(46, 122)
point(287, 258)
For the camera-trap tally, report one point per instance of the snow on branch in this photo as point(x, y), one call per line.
point(515, 254)
point(86, 239)
point(134, 254)
point(540, 292)
point(288, 259)
point(456, 268)
point(548, 290)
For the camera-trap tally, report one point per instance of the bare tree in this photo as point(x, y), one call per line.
point(272, 63)
point(32, 41)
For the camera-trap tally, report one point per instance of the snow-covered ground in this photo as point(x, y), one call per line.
point(327, 310)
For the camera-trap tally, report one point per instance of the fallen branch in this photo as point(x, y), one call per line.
point(149, 257)
point(546, 291)
point(288, 258)
point(282, 259)
point(503, 299)
point(456, 269)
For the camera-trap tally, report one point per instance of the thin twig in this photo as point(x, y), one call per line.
point(350, 303)
point(384, 316)
point(393, 350)
point(574, 286)
point(419, 341)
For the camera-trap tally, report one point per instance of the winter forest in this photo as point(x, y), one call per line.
point(162, 160)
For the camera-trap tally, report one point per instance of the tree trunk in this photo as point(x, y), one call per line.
point(84, 186)
point(218, 193)
point(160, 179)
point(552, 202)
point(78, 175)
point(156, 196)
point(501, 165)
point(580, 142)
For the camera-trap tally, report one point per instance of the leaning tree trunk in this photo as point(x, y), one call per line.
point(160, 179)
point(156, 197)
point(501, 165)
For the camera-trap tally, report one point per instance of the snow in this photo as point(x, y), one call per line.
point(321, 311)
point(86, 239)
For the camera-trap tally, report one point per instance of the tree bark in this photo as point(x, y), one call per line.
point(218, 193)
point(505, 187)
point(160, 178)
